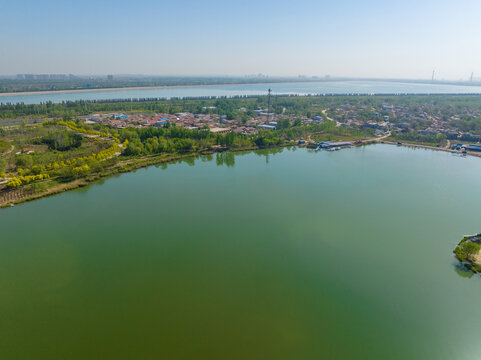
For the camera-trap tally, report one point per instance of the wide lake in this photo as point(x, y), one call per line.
point(290, 254)
point(300, 88)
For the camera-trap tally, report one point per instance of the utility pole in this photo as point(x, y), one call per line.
point(268, 104)
point(432, 77)
point(471, 79)
point(275, 106)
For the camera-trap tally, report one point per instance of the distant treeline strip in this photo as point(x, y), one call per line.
point(137, 100)
point(288, 104)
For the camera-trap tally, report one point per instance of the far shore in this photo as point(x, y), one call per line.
point(472, 153)
point(44, 92)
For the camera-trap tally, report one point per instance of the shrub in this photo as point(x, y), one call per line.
point(25, 161)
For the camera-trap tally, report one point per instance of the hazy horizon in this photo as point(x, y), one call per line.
point(375, 39)
point(301, 77)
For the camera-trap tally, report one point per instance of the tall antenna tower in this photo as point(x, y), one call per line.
point(432, 77)
point(471, 78)
point(268, 104)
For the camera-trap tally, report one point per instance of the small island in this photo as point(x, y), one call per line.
point(468, 252)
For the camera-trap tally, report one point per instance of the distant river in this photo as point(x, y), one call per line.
point(261, 255)
point(302, 88)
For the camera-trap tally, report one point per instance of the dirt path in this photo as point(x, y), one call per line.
point(382, 137)
point(324, 112)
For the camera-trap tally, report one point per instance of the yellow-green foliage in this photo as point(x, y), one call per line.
point(78, 166)
point(73, 126)
point(20, 180)
point(2, 175)
point(80, 170)
point(36, 169)
point(102, 155)
point(14, 182)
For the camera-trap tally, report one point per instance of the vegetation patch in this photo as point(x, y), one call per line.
point(468, 252)
point(4, 146)
point(62, 140)
point(51, 154)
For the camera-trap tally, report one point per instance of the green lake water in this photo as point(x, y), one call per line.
point(289, 255)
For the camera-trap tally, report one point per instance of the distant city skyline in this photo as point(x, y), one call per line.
point(369, 39)
point(301, 77)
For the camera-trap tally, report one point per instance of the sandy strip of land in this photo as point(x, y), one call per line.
point(44, 92)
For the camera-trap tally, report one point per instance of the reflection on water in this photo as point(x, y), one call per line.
point(226, 158)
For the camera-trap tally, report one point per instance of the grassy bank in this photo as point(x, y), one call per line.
point(51, 187)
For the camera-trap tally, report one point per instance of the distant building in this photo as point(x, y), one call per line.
point(472, 147)
point(161, 122)
point(267, 127)
point(428, 132)
point(58, 76)
point(330, 144)
point(218, 130)
point(110, 77)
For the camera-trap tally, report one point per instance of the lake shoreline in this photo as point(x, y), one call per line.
point(429, 147)
point(130, 165)
point(123, 167)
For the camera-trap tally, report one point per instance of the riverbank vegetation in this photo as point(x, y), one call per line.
point(53, 153)
point(417, 138)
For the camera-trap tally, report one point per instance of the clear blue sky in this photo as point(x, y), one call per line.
point(404, 39)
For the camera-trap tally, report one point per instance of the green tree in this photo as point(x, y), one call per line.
point(467, 249)
point(283, 123)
